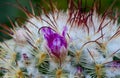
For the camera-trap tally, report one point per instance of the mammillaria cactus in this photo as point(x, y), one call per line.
point(58, 44)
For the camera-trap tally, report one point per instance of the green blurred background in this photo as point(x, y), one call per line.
point(7, 8)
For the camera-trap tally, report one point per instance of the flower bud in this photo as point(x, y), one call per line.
point(56, 43)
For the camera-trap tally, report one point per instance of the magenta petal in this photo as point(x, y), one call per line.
point(55, 41)
point(64, 31)
point(113, 64)
point(47, 31)
point(79, 69)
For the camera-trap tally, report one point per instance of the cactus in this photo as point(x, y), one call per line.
point(62, 44)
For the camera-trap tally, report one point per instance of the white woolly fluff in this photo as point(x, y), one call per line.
point(78, 37)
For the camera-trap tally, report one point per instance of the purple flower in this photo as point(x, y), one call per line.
point(79, 70)
point(25, 57)
point(113, 64)
point(56, 43)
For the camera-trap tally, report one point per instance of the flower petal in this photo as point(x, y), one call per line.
point(54, 40)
